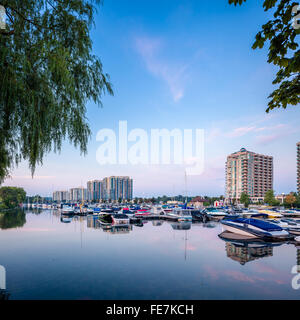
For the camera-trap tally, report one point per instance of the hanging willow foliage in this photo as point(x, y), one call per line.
point(47, 75)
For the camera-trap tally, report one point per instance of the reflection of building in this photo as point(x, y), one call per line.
point(92, 222)
point(248, 172)
point(243, 254)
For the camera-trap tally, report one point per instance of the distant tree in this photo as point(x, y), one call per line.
point(48, 73)
point(245, 199)
point(11, 197)
point(281, 33)
point(270, 198)
point(290, 199)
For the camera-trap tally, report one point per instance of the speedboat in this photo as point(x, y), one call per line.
point(290, 213)
point(216, 213)
point(127, 211)
point(96, 211)
point(181, 214)
point(67, 210)
point(255, 228)
point(272, 214)
point(142, 212)
point(197, 215)
point(290, 225)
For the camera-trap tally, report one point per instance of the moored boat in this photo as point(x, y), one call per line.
point(180, 214)
point(215, 213)
point(66, 209)
point(255, 228)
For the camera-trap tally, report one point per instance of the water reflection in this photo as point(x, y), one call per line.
point(117, 229)
point(12, 219)
point(181, 225)
point(63, 248)
point(243, 251)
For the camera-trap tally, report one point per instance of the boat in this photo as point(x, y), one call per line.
point(255, 228)
point(181, 214)
point(66, 209)
point(273, 214)
point(142, 212)
point(215, 213)
point(127, 211)
point(290, 225)
point(290, 213)
point(96, 211)
point(198, 215)
point(77, 210)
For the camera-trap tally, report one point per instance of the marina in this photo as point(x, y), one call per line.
point(150, 257)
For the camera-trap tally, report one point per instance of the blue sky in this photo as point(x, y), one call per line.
point(179, 64)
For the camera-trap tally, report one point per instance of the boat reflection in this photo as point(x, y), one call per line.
point(116, 229)
point(181, 225)
point(65, 219)
point(245, 249)
point(157, 223)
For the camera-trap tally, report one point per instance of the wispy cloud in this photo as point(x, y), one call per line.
point(238, 132)
point(172, 74)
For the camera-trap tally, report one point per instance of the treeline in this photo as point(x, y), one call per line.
point(164, 199)
point(292, 200)
point(11, 197)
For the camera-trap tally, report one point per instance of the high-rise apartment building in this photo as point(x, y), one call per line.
point(298, 167)
point(115, 188)
point(60, 196)
point(94, 190)
point(248, 172)
point(78, 194)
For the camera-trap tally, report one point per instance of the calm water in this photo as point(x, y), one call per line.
point(46, 258)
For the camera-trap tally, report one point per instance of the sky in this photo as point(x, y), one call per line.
point(179, 65)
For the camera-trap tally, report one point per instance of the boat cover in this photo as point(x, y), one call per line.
point(267, 226)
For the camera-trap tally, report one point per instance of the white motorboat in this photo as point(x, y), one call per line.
point(290, 225)
point(255, 228)
point(180, 214)
point(290, 213)
point(66, 209)
point(215, 213)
